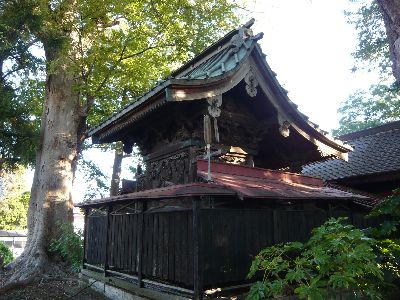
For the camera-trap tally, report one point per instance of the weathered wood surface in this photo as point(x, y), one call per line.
point(161, 243)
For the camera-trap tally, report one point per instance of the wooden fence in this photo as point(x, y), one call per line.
point(214, 249)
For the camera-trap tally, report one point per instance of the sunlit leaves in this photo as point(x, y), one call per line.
point(123, 48)
point(337, 258)
point(381, 104)
point(19, 123)
point(373, 48)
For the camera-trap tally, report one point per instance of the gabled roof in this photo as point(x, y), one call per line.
point(215, 71)
point(376, 151)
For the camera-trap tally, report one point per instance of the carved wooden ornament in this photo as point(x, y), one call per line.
point(214, 105)
point(251, 84)
point(214, 110)
point(283, 126)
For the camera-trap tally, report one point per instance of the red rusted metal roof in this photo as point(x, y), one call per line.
point(250, 182)
point(174, 191)
point(242, 182)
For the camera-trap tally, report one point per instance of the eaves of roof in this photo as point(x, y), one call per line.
point(216, 65)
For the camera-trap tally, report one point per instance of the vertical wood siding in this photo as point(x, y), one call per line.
point(229, 240)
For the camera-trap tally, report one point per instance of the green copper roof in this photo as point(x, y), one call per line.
point(220, 63)
point(221, 60)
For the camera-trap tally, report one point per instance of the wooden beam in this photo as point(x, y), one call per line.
point(106, 241)
point(140, 244)
point(85, 221)
point(197, 264)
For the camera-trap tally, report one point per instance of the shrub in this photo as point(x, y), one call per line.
point(14, 211)
point(338, 258)
point(6, 255)
point(387, 235)
point(69, 245)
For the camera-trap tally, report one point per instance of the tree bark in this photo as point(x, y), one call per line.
point(51, 201)
point(391, 15)
point(116, 174)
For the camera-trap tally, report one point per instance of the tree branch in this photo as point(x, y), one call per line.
point(91, 98)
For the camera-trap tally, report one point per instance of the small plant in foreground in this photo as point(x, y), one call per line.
point(338, 258)
point(69, 245)
point(6, 255)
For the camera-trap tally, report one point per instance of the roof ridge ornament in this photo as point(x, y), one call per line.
point(244, 34)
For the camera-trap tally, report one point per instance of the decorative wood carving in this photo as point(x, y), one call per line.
point(171, 170)
point(214, 106)
point(214, 110)
point(251, 84)
point(283, 126)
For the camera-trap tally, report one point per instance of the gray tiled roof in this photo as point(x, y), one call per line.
point(376, 150)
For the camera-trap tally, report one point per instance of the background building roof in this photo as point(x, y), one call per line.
point(376, 150)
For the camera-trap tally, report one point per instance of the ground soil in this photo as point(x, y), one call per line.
point(67, 286)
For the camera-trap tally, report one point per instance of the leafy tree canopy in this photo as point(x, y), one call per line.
point(14, 200)
point(365, 109)
point(19, 123)
point(380, 104)
point(18, 107)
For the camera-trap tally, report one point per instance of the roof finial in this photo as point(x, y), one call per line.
point(249, 23)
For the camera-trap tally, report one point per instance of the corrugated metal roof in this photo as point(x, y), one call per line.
point(376, 150)
point(242, 182)
point(174, 191)
point(269, 184)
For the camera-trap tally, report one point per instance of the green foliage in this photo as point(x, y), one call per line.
point(68, 245)
point(14, 200)
point(389, 207)
point(18, 134)
point(97, 181)
point(381, 104)
point(18, 131)
point(337, 258)
point(6, 255)
point(373, 48)
point(14, 211)
point(363, 109)
point(387, 235)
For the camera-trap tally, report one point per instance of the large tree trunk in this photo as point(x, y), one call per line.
point(391, 14)
point(51, 201)
point(116, 174)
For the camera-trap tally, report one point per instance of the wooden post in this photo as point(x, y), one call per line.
point(107, 239)
point(85, 221)
point(197, 263)
point(275, 226)
point(140, 244)
point(329, 210)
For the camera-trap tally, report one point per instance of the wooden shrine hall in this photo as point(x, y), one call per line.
point(223, 147)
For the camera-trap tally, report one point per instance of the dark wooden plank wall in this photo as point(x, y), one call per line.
point(123, 243)
point(168, 246)
point(95, 240)
point(230, 239)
